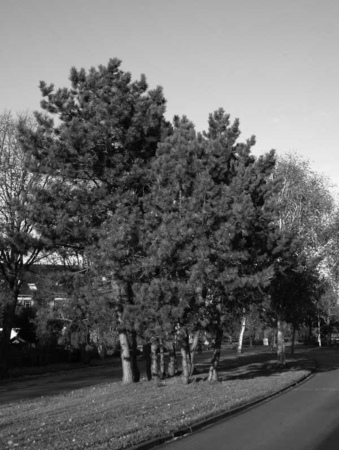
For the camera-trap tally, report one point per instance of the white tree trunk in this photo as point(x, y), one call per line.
point(127, 373)
point(155, 360)
point(193, 347)
point(319, 332)
point(281, 356)
point(241, 334)
point(185, 368)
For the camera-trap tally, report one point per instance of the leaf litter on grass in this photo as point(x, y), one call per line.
point(116, 416)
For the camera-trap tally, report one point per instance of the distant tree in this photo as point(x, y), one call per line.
point(303, 207)
point(327, 310)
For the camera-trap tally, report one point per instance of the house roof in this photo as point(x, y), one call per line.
point(43, 278)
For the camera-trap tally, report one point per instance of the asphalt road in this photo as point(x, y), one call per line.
point(305, 418)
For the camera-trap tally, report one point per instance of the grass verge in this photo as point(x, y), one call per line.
point(115, 416)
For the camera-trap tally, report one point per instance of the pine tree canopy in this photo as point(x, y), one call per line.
point(93, 143)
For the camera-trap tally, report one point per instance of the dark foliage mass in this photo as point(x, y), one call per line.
point(176, 235)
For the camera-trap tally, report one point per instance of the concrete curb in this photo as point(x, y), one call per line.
point(221, 416)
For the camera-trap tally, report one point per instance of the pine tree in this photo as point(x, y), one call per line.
point(95, 157)
point(207, 224)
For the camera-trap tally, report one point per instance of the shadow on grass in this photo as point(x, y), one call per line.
point(242, 367)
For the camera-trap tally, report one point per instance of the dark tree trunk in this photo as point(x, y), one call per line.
point(310, 333)
point(102, 351)
point(148, 360)
point(85, 355)
point(293, 339)
point(172, 365)
point(134, 357)
point(213, 372)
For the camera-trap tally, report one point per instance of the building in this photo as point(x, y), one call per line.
point(42, 282)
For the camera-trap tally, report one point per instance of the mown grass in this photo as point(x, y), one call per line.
point(115, 416)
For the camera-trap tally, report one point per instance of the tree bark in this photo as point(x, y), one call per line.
point(134, 358)
point(155, 362)
point(102, 351)
point(193, 349)
point(241, 334)
point(213, 372)
point(319, 331)
point(148, 360)
point(127, 373)
point(185, 367)
point(172, 365)
point(281, 356)
point(293, 339)
point(162, 359)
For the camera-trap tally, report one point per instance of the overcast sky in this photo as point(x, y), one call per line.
point(273, 64)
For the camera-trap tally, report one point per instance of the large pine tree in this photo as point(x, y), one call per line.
point(207, 222)
point(94, 145)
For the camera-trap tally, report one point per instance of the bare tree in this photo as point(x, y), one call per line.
point(20, 244)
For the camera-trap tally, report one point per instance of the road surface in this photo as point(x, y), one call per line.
point(305, 418)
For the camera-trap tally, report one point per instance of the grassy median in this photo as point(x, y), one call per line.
point(115, 416)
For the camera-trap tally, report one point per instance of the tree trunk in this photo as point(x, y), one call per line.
point(281, 342)
point(241, 334)
point(251, 341)
point(148, 360)
point(213, 372)
point(193, 349)
point(85, 354)
point(310, 327)
point(134, 358)
point(162, 359)
point(155, 363)
point(102, 351)
point(185, 367)
point(172, 365)
point(293, 339)
point(127, 373)
point(319, 332)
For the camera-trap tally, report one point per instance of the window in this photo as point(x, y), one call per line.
point(25, 301)
point(32, 286)
point(58, 301)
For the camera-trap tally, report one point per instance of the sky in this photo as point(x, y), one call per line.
point(273, 64)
